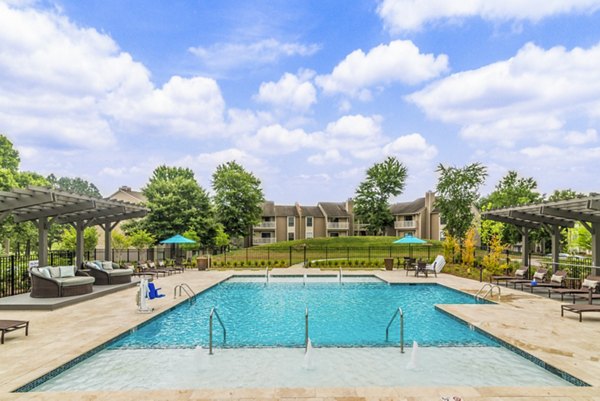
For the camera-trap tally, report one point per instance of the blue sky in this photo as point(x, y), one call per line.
point(306, 94)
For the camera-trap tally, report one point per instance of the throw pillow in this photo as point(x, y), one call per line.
point(115, 265)
point(590, 283)
point(43, 271)
point(67, 271)
point(54, 271)
point(557, 278)
point(91, 265)
point(539, 275)
point(98, 263)
point(107, 265)
point(520, 272)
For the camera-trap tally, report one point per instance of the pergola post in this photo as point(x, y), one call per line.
point(79, 247)
point(525, 250)
point(555, 233)
point(107, 240)
point(596, 247)
point(43, 241)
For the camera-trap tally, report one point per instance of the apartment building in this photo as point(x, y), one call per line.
point(336, 219)
point(125, 194)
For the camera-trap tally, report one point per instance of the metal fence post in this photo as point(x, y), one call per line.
point(12, 275)
point(290, 256)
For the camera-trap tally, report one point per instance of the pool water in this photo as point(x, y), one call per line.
point(265, 325)
point(256, 314)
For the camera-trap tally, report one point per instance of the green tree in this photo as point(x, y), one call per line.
point(69, 239)
point(120, 240)
point(384, 180)
point(177, 204)
point(9, 156)
point(564, 194)
point(142, 239)
point(221, 237)
point(191, 234)
point(76, 185)
point(457, 191)
point(238, 198)
point(512, 190)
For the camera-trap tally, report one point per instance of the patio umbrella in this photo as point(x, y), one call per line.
point(177, 239)
point(410, 239)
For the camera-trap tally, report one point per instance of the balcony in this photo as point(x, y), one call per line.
point(405, 224)
point(340, 225)
point(263, 241)
point(265, 225)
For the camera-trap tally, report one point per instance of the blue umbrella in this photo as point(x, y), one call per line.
point(410, 239)
point(178, 239)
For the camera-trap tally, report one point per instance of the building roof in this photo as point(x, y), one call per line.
point(284, 210)
point(334, 209)
point(125, 193)
point(311, 211)
point(268, 208)
point(408, 207)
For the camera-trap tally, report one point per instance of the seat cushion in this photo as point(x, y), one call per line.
point(72, 281)
point(120, 272)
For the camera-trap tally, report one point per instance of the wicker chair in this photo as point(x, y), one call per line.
point(109, 277)
point(55, 287)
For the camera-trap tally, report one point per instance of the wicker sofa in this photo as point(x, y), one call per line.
point(60, 281)
point(108, 273)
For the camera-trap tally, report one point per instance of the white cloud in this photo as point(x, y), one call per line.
point(581, 138)
point(294, 92)
point(531, 96)
point(226, 56)
point(66, 86)
point(276, 139)
point(357, 126)
point(330, 156)
point(412, 15)
point(410, 146)
point(400, 61)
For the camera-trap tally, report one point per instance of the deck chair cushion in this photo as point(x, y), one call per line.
point(67, 271)
point(43, 271)
point(539, 275)
point(54, 271)
point(589, 283)
point(107, 266)
point(557, 278)
point(520, 272)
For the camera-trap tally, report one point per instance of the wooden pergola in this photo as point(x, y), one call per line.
point(553, 216)
point(47, 206)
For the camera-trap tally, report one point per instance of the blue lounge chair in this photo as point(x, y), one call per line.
point(153, 291)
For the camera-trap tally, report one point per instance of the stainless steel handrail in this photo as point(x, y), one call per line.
point(214, 312)
point(340, 274)
point(489, 291)
point(306, 330)
point(267, 274)
point(185, 287)
point(387, 329)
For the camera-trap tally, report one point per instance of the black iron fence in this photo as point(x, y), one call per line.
point(321, 256)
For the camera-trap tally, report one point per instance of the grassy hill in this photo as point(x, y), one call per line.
point(341, 242)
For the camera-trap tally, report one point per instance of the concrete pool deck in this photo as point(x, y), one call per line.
point(529, 322)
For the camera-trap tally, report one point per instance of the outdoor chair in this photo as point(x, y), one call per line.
point(153, 291)
point(152, 267)
point(590, 284)
point(144, 269)
point(410, 264)
point(579, 309)
point(520, 274)
point(108, 273)
point(173, 269)
point(437, 265)
point(59, 281)
point(538, 276)
point(12, 325)
point(557, 280)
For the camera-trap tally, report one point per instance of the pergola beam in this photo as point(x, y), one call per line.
point(509, 220)
point(593, 204)
point(56, 211)
point(568, 214)
point(70, 218)
point(540, 219)
point(120, 217)
point(21, 202)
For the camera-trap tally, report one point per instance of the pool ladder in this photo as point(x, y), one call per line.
point(213, 312)
point(186, 288)
point(400, 315)
point(490, 290)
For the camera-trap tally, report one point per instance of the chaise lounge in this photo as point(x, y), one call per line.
point(12, 325)
point(590, 284)
point(556, 281)
point(59, 281)
point(520, 274)
point(108, 273)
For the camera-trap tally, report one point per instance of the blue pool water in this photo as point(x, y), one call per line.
point(256, 314)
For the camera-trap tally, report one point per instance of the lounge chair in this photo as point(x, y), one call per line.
point(174, 269)
point(410, 264)
point(12, 325)
point(152, 267)
point(59, 281)
point(579, 309)
point(538, 276)
point(556, 281)
point(108, 273)
point(436, 267)
point(520, 274)
point(144, 268)
point(590, 283)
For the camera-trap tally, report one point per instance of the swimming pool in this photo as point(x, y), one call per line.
point(265, 339)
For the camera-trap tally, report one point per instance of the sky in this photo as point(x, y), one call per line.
point(306, 95)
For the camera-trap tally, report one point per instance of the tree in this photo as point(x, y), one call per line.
point(69, 239)
point(177, 204)
point(9, 156)
point(221, 238)
point(191, 234)
point(120, 240)
point(511, 190)
point(238, 198)
point(142, 239)
point(564, 194)
point(457, 192)
point(76, 185)
point(384, 180)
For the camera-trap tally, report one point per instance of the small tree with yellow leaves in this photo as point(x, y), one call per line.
point(468, 250)
point(450, 246)
point(493, 261)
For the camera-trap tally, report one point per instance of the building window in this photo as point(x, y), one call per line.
point(291, 221)
point(290, 236)
point(408, 218)
point(265, 235)
point(309, 221)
